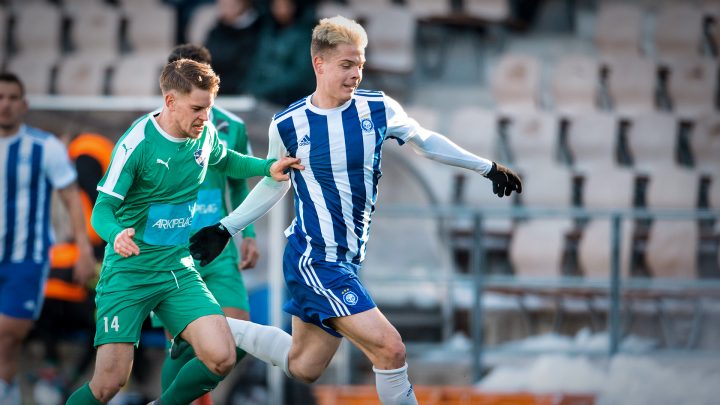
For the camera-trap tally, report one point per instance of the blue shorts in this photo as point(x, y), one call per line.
point(22, 289)
point(320, 290)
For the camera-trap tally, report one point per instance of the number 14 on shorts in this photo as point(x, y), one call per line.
point(111, 324)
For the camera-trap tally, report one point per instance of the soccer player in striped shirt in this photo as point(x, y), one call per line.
point(32, 164)
point(144, 211)
point(337, 132)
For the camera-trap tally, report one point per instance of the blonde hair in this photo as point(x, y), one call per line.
point(185, 74)
point(331, 32)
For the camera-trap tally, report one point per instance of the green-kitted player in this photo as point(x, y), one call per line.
point(221, 276)
point(144, 210)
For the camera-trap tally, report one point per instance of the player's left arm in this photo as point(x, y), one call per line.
point(63, 177)
point(439, 148)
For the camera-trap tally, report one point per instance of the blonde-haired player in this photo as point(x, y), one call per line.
point(337, 132)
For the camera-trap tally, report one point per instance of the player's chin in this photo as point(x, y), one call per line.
point(195, 132)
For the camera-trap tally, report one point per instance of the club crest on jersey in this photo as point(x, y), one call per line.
point(367, 125)
point(349, 297)
point(199, 159)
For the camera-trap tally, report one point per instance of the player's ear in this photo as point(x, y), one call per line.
point(170, 101)
point(318, 64)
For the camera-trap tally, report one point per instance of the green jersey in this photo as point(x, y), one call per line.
point(211, 206)
point(157, 177)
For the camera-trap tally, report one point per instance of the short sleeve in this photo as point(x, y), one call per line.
point(58, 167)
point(399, 125)
point(121, 172)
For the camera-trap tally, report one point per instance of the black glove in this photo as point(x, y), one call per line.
point(504, 180)
point(208, 243)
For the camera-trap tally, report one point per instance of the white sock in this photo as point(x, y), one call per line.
point(267, 343)
point(10, 393)
point(393, 386)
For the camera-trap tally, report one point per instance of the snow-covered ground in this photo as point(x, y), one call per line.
point(638, 376)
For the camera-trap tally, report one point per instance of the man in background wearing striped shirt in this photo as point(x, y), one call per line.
point(32, 164)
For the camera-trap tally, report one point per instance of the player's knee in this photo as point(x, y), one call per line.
point(220, 360)
point(305, 375)
point(106, 389)
point(393, 353)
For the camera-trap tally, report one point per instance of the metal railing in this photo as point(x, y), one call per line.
point(480, 280)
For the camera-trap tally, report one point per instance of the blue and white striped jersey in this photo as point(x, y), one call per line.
point(32, 163)
point(341, 149)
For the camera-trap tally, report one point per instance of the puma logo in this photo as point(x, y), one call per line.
point(164, 163)
point(125, 148)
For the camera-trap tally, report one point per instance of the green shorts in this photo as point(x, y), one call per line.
point(225, 282)
point(125, 298)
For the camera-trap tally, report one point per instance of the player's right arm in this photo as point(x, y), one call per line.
point(106, 225)
point(208, 242)
point(125, 162)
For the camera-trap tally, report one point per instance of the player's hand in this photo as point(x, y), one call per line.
point(124, 244)
point(208, 243)
point(249, 253)
point(504, 180)
point(85, 267)
point(280, 168)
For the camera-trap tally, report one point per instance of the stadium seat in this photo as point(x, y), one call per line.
point(594, 249)
point(537, 248)
point(533, 138)
point(652, 139)
point(201, 22)
point(631, 84)
point(138, 4)
point(81, 76)
point(391, 34)
point(151, 30)
point(38, 29)
point(487, 10)
point(73, 4)
point(331, 8)
point(426, 116)
point(364, 8)
point(136, 75)
point(693, 86)
point(429, 8)
point(672, 249)
point(515, 83)
point(673, 188)
point(95, 30)
point(618, 29)
point(598, 180)
point(546, 185)
point(678, 31)
point(35, 70)
point(705, 145)
point(476, 130)
point(592, 140)
point(575, 84)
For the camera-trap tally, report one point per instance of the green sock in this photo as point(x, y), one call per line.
point(83, 396)
point(191, 382)
point(171, 367)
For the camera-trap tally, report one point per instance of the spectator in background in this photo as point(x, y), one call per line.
point(32, 163)
point(282, 72)
point(233, 43)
